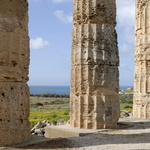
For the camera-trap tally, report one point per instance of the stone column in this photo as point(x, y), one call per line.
point(141, 106)
point(14, 63)
point(94, 76)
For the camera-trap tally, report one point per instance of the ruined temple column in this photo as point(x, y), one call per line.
point(14, 62)
point(141, 106)
point(94, 76)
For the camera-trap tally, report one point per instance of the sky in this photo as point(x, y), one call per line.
point(50, 31)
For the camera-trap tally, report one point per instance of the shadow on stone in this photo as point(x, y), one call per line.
point(130, 131)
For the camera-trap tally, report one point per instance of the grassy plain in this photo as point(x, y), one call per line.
point(47, 108)
point(126, 102)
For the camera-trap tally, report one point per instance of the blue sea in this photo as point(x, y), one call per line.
point(57, 89)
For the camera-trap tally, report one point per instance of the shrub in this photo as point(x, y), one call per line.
point(39, 104)
point(46, 103)
point(130, 107)
point(36, 105)
point(54, 116)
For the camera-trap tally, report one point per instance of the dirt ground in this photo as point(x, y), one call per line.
point(132, 134)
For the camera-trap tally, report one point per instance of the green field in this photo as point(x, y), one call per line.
point(55, 108)
point(126, 102)
point(47, 108)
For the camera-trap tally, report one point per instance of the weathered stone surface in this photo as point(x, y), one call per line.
point(141, 106)
point(14, 40)
point(94, 76)
point(95, 45)
point(66, 131)
point(14, 63)
point(14, 112)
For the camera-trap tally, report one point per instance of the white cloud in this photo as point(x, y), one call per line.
point(125, 12)
point(129, 34)
point(54, 1)
point(126, 19)
point(38, 43)
point(125, 67)
point(61, 1)
point(124, 48)
point(125, 26)
point(63, 17)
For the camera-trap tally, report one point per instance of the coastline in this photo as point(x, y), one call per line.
point(57, 89)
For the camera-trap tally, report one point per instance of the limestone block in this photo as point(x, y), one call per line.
point(94, 79)
point(14, 113)
point(14, 41)
point(142, 61)
point(141, 109)
point(93, 42)
point(88, 108)
point(66, 131)
point(13, 136)
point(94, 12)
point(94, 74)
point(14, 62)
point(14, 16)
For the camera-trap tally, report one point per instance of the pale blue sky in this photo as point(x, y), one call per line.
point(50, 29)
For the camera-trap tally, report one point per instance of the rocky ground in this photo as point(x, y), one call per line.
point(132, 134)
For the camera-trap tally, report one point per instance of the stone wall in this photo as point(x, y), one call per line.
point(94, 75)
point(14, 63)
point(141, 106)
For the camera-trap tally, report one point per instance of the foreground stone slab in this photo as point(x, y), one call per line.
point(94, 75)
point(133, 134)
point(141, 105)
point(66, 131)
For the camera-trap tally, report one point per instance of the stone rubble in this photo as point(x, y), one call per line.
point(39, 128)
point(125, 114)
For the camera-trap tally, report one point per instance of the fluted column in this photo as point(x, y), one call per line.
point(94, 76)
point(14, 63)
point(141, 106)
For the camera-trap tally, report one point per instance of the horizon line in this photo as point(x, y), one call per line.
point(69, 85)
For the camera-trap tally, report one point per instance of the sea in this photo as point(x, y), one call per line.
point(57, 89)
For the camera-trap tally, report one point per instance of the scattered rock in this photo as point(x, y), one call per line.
point(61, 122)
point(39, 132)
point(125, 114)
point(68, 122)
point(38, 129)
